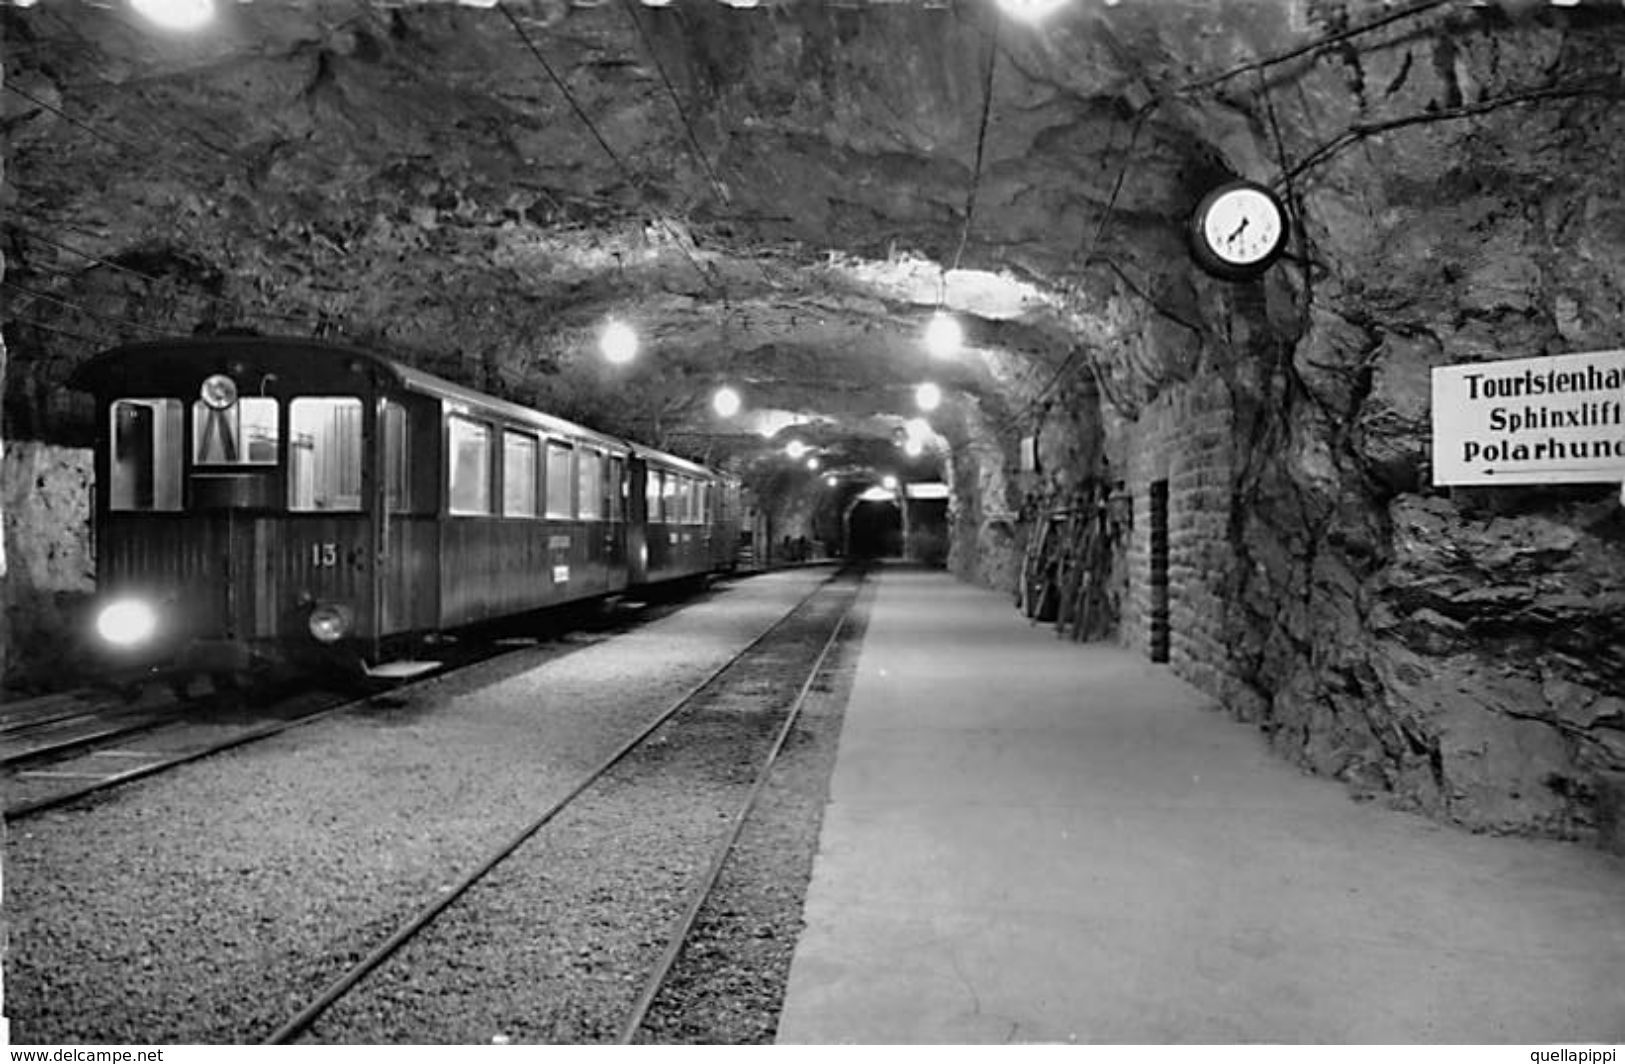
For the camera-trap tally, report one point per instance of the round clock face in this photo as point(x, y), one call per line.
point(1239, 229)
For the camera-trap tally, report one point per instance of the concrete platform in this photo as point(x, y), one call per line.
point(1030, 840)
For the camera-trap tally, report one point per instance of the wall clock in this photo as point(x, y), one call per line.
point(1238, 230)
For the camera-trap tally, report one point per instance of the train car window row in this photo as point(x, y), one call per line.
point(145, 457)
point(324, 454)
point(244, 433)
point(469, 447)
point(589, 472)
point(558, 480)
point(518, 475)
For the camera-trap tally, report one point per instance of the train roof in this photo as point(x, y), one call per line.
point(152, 362)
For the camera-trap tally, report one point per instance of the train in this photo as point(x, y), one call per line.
point(269, 501)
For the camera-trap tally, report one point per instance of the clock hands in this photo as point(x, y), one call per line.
point(1231, 239)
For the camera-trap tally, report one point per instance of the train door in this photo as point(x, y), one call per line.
point(615, 522)
point(637, 520)
point(407, 499)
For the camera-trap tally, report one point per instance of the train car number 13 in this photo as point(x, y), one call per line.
point(324, 555)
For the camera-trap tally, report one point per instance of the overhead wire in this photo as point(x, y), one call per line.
point(33, 324)
point(981, 139)
point(682, 113)
point(626, 171)
point(192, 287)
point(80, 308)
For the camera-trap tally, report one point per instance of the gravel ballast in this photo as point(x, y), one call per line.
point(207, 904)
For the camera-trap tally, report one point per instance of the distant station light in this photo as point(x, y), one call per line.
point(1032, 10)
point(888, 482)
point(944, 335)
point(175, 14)
point(618, 342)
point(795, 449)
point(928, 396)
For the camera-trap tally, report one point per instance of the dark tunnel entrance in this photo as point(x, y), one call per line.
point(875, 530)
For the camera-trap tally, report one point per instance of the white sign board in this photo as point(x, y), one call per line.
point(1553, 420)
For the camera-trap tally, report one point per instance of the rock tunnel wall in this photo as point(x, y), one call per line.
point(51, 566)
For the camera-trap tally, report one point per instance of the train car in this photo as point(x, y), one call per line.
point(261, 499)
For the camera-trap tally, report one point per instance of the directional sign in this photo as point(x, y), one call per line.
point(1553, 420)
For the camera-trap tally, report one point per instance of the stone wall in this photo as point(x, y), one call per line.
point(45, 497)
point(1184, 437)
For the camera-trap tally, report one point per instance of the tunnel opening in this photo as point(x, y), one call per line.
point(1159, 571)
point(874, 530)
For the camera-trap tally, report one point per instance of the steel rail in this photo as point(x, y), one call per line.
point(701, 892)
point(341, 985)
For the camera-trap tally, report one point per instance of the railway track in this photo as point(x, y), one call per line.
point(75, 747)
point(747, 706)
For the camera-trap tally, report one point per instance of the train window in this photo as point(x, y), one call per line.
point(397, 459)
point(244, 433)
point(679, 500)
point(558, 480)
point(518, 475)
point(653, 492)
point(469, 489)
point(324, 454)
point(146, 455)
point(702, 499)
point(590, 469)
point(669, 505)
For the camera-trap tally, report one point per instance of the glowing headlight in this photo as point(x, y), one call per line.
point(219, 392)
point(328, 623)
point(127, 622)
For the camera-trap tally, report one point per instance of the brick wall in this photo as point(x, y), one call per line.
point(1183, 438)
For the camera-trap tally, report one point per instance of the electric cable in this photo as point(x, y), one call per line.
point(682, 115)
point(981, 139)
point(82, 309)
point(626, 171)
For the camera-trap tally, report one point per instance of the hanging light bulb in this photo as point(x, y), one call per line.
point(813, 463)
point(175, 14)
point(927, 396)
point(795, 449)
point(725, 402)
point(944, 335)
point(829, 479)
point(1031, 10)
point(888, 482)
point(618, 342)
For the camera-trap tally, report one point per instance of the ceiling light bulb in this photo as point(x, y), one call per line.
point(944, 335)
point(829, 479)
point(175, 14)
point(725, 402)
point(927, 396)
point(795, 448)
point(618, 342)
point(813, 463)
point(1029, 10)
point(888, 482)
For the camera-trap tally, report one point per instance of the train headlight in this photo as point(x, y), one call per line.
point(329, 623)
point(126, 622)
point(219, 392)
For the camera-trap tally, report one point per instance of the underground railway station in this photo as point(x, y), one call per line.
point(802, 522)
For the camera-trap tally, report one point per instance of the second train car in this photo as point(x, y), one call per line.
point(265, 499)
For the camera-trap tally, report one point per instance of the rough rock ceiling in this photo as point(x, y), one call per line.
point(776, 198)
